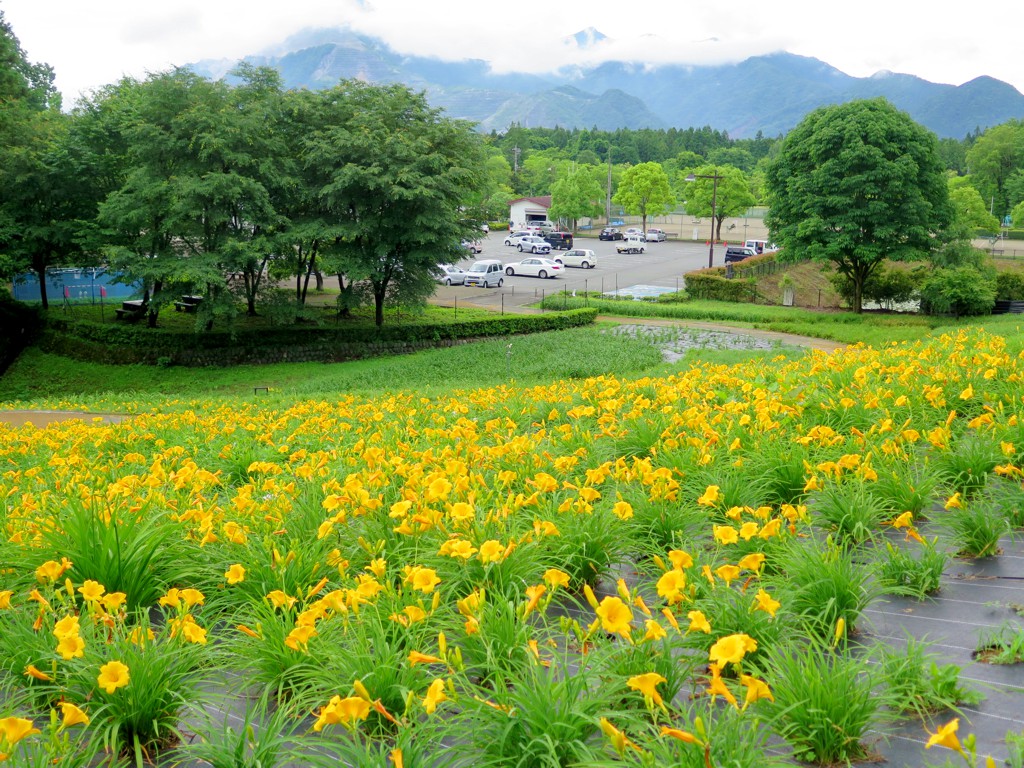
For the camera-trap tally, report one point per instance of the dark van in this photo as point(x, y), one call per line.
point(736, 253)
point(559, 240)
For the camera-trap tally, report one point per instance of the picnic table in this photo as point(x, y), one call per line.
point(188, 303)
point(131, 310)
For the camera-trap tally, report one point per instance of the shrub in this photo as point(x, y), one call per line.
point(959, 291)
point(712, 284)
point(824, 704)
point(1010, 286)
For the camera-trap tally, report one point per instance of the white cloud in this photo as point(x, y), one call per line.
point(90, 44)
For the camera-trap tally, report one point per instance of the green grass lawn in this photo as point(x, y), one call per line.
point(52, 381)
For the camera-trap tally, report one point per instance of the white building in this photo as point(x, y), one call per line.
point(527, 209)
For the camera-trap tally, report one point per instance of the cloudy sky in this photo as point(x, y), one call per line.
point(94, 42)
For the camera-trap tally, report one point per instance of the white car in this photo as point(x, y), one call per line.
point(632, 244)
point(533, 244)
point(656, 236)
point(448, 274)
point(578, 257)
point(534, 267)
point(514, 237)
point(473, 246)
point(634, 232)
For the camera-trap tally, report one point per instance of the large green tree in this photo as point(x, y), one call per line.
point(576, 195)
point(732, 197)
point(856, 184)
point(644, 191)
point(993, 160)
point(39, 199)
point(397, 173)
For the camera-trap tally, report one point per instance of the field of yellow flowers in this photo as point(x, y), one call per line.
point(661, 571)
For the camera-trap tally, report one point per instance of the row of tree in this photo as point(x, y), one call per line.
point(990, 162)
point(189, 185)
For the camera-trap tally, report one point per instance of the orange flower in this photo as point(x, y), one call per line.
point(698, 622)
point(342, 711)
point(727, 573)
point(423, 579)
point(756, 689)
point(717, 686)
point(946, 737)
point(647, 685)
point(683, 736)
point(671, 585)
point(732, 648)
point(14, 729)
point(113, 675)
point(726, 534)
point(280, 599)
point(65, 627)
point(491, 551)
point(533, 594)
point(415, 657)
point(556, 578)
point(766, 603)
point(710, 497)
point(33, 672)
point(71, 647)
point(680, 559)
point(435, 695)
point(72, 715)
point(618, 739)
point(615, 616)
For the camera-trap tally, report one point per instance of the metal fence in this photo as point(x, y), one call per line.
point(80, 285)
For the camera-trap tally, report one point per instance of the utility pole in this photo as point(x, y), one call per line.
point(608, 195)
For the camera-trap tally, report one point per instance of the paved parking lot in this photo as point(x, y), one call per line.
point(662, 265)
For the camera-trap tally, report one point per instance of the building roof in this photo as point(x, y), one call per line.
point(543, 200)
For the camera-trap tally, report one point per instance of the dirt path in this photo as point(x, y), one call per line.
point(46, 418)
point(782, 338)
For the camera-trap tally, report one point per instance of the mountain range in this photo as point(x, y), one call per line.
point(769, 94)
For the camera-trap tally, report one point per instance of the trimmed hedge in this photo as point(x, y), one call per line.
point(128, 344)
point(713, 284)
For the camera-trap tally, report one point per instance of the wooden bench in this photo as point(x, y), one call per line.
point(131, 310)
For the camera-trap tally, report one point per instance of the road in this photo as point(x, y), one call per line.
point(662, 265)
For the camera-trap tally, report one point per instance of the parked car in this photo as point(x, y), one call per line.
point(514, 237)
point(472, 246)
point(631, 245)
point(560, 240)
point(761, 246)
point(535, 267)
point(734, 253)
point(610, 233)
point(486, 227)
point(449, 274)
point(656, 236)
point(578, 257)
point(486, 273)
point(634, 232)
point(533, 244)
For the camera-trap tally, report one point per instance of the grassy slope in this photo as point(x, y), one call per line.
point(54, 381)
